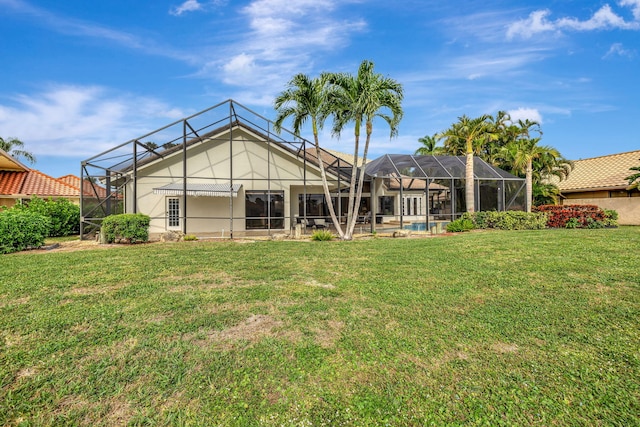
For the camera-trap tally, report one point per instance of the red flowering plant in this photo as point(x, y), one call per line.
point(572, 216)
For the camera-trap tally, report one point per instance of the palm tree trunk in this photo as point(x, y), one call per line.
point(327, 193)
point(348, 235)
point(354, 216)
point(529, 185)
point(469, 185)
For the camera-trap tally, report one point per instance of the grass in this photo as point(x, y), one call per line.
point(487, 328)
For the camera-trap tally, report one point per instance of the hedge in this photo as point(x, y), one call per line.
point(126, 228)
point(576, 216)
point(22, 229)
point(507, 220)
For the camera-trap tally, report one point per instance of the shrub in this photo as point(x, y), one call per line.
point(572, 223)
point(22, 229)
point(583, 214)
point(126, 228)
point(610, 218)
point(322, 235)
point(508, 220)
point(460, 225)
point(64, 216)
point(190, 237)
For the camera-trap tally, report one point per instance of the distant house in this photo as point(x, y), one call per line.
point(601, 181)
point(19, 183)
point(225, 172)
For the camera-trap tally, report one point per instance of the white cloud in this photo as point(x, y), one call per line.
point(187, 6)
point(536, 23)
point(284, 37)
point(617, 49)
point(81, 120)
point(635, 7)
point(604, 18)
point(525, 114)
point(196, 5)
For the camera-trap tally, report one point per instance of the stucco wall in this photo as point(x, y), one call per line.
point(254, 165)
point(628, 208)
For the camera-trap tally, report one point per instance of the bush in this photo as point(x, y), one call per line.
point(126, 228)
point(460, 225)
point(584, 215)
point(64, 216)
point(322, 235)
point(22, 229)
point(610, 218)
point(508, 220)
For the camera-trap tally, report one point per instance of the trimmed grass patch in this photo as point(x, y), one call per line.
point(486, 328)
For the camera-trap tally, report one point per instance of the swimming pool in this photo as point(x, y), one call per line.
point(421, 226)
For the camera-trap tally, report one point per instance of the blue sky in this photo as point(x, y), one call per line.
point(78, 77)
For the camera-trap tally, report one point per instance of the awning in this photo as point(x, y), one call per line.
point(208, 190)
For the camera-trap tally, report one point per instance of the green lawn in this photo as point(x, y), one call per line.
point(486, 328)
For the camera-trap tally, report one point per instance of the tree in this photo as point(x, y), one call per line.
point(13, 147)
point(305, 99)
point(429, 146)
point(634, 180)
point(359, 100)
point(472, 134)
point(523, 152)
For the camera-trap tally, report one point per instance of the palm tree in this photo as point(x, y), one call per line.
point(472, 134)
point(523, 152)
point(634, 180)
point(305, 99)
point(429, 146)
point(13, 147)
point(359, 100)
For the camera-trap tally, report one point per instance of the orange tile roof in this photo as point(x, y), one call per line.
point(34, 183)
point(40, 184)
point(88, 189)
point(11, 182)
point(600, 173)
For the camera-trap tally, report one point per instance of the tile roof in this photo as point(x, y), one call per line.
point(34, 183)
point(600, 173)
point(11, 182)
point(88, 189)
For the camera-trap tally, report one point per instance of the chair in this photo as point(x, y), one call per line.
point(364, 219)
point(319, 223)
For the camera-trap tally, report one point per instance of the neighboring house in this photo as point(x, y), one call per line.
point(224, 171)
point(18, 182)
point(602, 181)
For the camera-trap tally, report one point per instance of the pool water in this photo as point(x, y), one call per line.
point(421, 226)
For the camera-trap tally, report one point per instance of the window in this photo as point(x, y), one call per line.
point(264, 209)
point(412, 206)
point(386, 205)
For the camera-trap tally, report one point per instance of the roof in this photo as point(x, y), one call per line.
point(88, 188)
point(8, 163)
point(346, 157)
point(34, 183)
point(600, 173)
point(432, 167)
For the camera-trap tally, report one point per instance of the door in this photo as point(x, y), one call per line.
point(173, 213)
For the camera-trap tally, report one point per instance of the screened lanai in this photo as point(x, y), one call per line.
point(225, 172)
point(431, 189)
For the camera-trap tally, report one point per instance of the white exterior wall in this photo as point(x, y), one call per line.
point(253, 166)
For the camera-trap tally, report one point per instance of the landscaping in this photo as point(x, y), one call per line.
point(534, 327)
